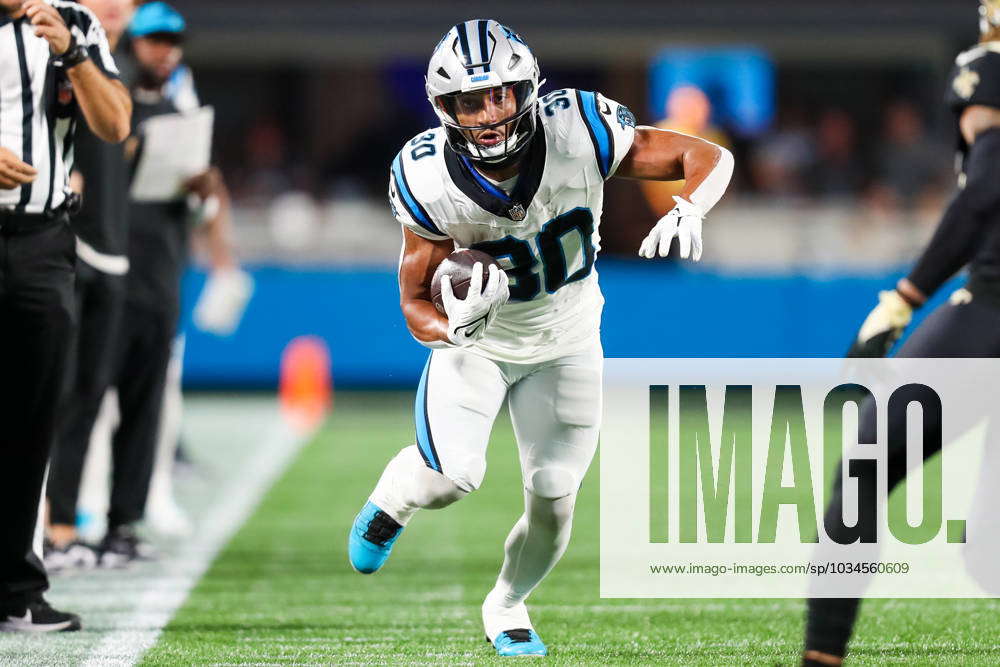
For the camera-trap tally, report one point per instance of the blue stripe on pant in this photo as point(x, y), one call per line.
point(425, 441)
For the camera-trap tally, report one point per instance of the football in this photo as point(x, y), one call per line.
point(459, 265)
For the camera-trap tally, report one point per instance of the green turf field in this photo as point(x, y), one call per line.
point(282, 592)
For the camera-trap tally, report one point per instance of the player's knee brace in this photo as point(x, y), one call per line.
point(552, 483)
point(436, 490)
point(467, 473)
point(408, 485)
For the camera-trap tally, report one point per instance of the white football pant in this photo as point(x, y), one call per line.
point(555, 407)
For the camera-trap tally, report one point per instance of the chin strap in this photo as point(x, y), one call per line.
point(473, 148)
point(511, 159)
point(522, 124)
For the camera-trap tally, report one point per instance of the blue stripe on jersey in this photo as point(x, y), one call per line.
point(485, 184)
point(463, 37)
point(484, 46)
point(425, 442)
point(599, 132)
point(413, 207)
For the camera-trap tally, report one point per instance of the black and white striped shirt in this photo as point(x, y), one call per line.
point(37, 109)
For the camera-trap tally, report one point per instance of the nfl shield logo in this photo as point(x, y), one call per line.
point(516, 213)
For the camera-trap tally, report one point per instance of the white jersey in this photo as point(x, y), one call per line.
point(544, 232)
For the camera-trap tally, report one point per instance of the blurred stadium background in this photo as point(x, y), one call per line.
point(844, 151)
point(833, 110)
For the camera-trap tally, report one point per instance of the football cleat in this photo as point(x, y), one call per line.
point(520, 641)
point(76, 555)
point(372, 536)
point(121, 546)
point(499, 618)
point(38, 616)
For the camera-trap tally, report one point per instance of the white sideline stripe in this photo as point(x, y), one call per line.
point(164, 594)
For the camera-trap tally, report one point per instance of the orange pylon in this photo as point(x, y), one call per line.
point(306, 388)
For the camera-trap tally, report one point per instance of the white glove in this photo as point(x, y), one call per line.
point(883, 326)
point(684, 222)
point(223, 300)
point(469, 318)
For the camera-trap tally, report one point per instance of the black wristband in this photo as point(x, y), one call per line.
point(74, 55)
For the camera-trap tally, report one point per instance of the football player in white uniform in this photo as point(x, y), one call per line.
point(520, 178)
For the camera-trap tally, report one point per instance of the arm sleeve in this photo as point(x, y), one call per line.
point(710, 191)
point(611, 127)
point(407, 209)
point(965, 220)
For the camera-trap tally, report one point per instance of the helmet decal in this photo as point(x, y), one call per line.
point(474, 47)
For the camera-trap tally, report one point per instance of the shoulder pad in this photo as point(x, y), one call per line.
point(977, 52)
point(421, 162)
point(975, 78)
point(590, 124)
point(560, 114)
point(415, 183)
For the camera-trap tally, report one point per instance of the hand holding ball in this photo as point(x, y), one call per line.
point(459, 266)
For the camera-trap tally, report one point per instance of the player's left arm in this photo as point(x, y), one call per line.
point(966, 218)
point(662, 155)
point(955, 240)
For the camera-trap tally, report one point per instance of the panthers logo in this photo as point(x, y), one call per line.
point(625, 117)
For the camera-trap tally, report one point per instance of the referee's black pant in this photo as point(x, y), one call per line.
point(961, 328)
point(37, 265)
point(100, 300)
point(145, 344)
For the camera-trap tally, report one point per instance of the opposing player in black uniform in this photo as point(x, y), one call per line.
point(969, 324)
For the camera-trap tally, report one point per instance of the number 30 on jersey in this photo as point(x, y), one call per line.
point(563, 242)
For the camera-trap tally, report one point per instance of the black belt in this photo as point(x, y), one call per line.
point(13, 222)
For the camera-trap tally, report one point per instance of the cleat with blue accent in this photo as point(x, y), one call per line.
point(371, 538)
point(520, 641)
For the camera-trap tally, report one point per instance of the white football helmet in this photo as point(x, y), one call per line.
point(479, 70)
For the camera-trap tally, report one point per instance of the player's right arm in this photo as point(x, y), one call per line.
point(465, 320)
point(967, 216)
point(420, 258)
point(425, 246)
point(956, 239)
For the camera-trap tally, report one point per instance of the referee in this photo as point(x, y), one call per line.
point(55, 67)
